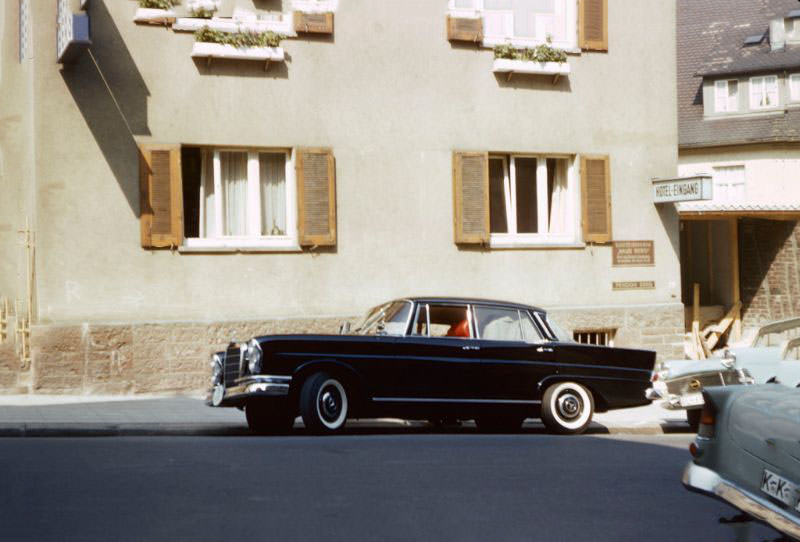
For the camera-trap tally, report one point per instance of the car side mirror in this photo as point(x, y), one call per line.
point(344, 328)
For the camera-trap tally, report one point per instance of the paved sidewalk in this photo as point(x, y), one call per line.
point(32, 415)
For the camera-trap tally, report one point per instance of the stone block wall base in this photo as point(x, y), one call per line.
point(141, 358)
point(11, 375)
point(173, 357)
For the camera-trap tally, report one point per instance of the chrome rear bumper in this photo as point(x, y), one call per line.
point(249, 387)
point(706, 481)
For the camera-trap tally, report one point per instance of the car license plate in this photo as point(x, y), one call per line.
point(779, 488)
point(692, 399)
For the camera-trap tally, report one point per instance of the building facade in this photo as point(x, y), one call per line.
point(739, 114)
point(176, 198)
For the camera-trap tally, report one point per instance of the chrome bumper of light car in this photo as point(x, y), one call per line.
point(706, 481)
point(254, 386)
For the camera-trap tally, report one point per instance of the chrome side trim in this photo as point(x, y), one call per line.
point(438, 400)
point(706, 481)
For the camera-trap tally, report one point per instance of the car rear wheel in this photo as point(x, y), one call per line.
point(567, 408)
point(323, 403)
point(499, 424)
point(693, 417)
point(265, 418)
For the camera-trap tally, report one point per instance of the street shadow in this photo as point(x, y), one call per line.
point(112, 97)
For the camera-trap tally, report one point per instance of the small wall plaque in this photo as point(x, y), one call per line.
point(634, 285)
point(632, 254)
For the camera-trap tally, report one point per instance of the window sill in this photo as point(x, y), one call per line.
point(240, 245)
point(753, 113)
point(307, 6)
point(533, 242)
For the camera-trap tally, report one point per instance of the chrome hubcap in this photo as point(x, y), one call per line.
point(569, 405)
point(330, 403)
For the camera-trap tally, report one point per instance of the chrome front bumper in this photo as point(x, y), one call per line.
point(706, 481)
point(249, 387)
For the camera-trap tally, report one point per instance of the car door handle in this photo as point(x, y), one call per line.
point(470, 348)
point(544, 349)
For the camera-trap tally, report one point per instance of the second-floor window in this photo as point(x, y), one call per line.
point(794, 87)
point(729, 184)
point(525, 22)
point(726, 96)
point(764, 92)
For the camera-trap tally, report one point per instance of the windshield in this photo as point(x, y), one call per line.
point(558, 331)
point(388, 319)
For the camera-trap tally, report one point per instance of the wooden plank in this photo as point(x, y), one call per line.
point(733, 227)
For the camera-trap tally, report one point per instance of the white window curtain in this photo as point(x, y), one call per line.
point(272, 167)
point(233, 173)
point(763, 92)
point(794, 85)
point(559, 203)
point(208, 207)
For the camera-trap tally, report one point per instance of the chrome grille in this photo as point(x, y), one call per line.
point(682, 385)
point(231, 366)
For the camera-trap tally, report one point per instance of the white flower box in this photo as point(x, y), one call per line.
point(219, 50)
point(281, 26)
point(506, 65)
point(154, 16)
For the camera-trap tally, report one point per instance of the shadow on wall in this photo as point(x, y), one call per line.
point(242, 68)
point(770, 270)
point(112, 97)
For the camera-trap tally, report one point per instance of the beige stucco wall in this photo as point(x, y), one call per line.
point(393, 99)
point(772, 172)
point(17, 164)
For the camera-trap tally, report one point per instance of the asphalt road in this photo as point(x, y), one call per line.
point(361, 486)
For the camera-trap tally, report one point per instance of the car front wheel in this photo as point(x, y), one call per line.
point(323, 403)
point(567, 408)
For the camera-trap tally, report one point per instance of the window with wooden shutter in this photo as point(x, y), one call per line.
point(161, 196)
point(593, 25)
point(471, 197)
point(596, 198)
point(316, 197)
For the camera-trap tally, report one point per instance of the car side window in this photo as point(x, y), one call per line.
point(498, 324)
point(434, 320)
point(530, 333)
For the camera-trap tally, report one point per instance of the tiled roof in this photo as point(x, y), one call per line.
point(711, 36)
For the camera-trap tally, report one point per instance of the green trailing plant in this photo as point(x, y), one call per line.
point(159, 4)
point(240, 39)
point(541, 53)
point(203, 13)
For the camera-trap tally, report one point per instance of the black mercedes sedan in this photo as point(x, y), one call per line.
point(431, 358)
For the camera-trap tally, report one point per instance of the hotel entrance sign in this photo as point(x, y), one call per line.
point(694, 188)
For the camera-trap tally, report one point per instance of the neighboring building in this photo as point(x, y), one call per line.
point(739, 114)
point(179, 201)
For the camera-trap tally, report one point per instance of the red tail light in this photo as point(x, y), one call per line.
point(708, 419)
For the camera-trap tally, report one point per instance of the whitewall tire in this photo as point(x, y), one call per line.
point(324, 403)
point(567, 408)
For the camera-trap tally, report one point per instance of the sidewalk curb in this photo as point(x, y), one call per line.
point(61, 430)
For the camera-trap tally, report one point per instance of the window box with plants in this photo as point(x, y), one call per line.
point(156, 11)
point(542, 60)
point(242, 45)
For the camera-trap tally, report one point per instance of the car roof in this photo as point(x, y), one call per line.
point(471, 301)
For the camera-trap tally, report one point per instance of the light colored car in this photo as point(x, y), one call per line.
point(772, 357)
point(747, 453)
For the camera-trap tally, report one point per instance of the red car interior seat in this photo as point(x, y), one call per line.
point(461, 329)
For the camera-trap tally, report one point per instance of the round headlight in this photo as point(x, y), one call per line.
point(254, 357)
point(216, 370)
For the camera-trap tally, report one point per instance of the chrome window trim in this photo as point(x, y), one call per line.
point(544, 327)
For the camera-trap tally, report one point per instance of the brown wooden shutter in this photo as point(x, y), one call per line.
point(593, 25)
point(464, 29)
point(471, 197)
point(161, 196)
point(596, 198)
point(316, 197)
point(313, 23)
